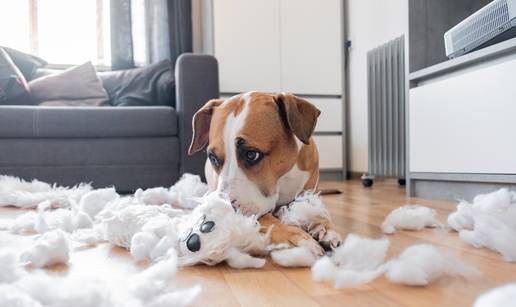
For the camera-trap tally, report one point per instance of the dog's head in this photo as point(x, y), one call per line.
point(252, 140)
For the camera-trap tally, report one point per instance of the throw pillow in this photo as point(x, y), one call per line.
point(78, 85)
point(145, 86)
point(25, 62)
point(13, 86)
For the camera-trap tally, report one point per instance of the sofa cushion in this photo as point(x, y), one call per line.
point(13, 86)
point(76, 86)
point(25, 62)
point(64, 122)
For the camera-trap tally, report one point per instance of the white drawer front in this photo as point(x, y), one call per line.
point(330, 119)
point(465, 123)
point(330, 151)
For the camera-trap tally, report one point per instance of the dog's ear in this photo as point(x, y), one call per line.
point(298, 114)
point(201, 125)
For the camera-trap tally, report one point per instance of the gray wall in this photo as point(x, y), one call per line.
point(428, 21)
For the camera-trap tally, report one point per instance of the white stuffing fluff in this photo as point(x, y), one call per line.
point(147, 288)
point(11, 296)
point(294, 257)
point(462, 218)
point(409, 217)
point(49, 249)
point(306, 210)
point(9, 270)
point(504, 296)
point(324, 269)
point(357, 261)
point(183, 194)
point(24, 223)
point(19, 193)
point(93, 202)
point(421, 264)
point(493, 222)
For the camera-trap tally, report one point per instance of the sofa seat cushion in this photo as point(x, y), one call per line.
point(84, 122)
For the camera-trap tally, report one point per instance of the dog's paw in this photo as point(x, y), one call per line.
point(318, 232)
point(312, 245)
point(331, 240)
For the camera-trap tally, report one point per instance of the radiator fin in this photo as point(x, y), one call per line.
point(386, 109)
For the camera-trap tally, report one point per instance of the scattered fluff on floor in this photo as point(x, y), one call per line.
point(8, 266)
point(23, 194)
point(182, 194)
point(147, 288)
point(490, 221)
point(504, 296)
point(422, 264)
point(294, 257)
point(357, 261)
point(410, 217)
point(50, 248)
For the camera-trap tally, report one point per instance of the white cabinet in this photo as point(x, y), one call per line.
point(330, 151)
point(465, 122)
point(246, 40)
point(311, 46)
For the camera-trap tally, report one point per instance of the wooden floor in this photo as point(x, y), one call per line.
point(356, 210)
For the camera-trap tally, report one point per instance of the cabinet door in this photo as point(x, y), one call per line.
point(246, 44)
point(465, 122)
point(311, 46)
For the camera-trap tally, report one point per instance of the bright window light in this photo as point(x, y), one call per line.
point(59, 31)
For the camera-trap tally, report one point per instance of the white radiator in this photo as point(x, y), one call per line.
point(386, 103)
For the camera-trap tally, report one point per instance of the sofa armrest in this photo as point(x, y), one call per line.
point(197, 81)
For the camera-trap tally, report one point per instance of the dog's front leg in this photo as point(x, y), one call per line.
point(281, 234)
point(310, 214)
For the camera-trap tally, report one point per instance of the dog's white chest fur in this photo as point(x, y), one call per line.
point(291, 184)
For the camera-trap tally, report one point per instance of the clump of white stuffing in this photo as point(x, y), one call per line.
point(357, 261)
point(462, 218)
point(422, 264)
point(9, 270)
point(19, 193)
point(11, 296)
point(410, 217)
point(306, 209)
point(490, 221)
point(49, 249)
point(93, 202)
point(182, 194)
point(294, 257)
point(504, 296)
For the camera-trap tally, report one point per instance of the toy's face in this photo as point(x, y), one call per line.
point(205, 231)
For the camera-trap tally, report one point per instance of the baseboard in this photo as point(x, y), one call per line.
point(332, 175)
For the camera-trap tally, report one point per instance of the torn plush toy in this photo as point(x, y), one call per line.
point(410, 217)
point(489, 221)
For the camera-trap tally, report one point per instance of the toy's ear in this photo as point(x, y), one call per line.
point(201, 125)
point(298, 114)
point(220, 205)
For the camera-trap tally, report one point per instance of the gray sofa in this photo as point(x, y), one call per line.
point(125, 147)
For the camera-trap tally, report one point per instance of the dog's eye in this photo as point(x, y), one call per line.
point(252, 155)
point(193, 243)
point(215, 161)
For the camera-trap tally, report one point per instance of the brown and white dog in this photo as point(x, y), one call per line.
point(262, 154)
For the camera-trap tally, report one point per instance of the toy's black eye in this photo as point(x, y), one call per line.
point(207, 227)
point(215, 161)
point(193, 243)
